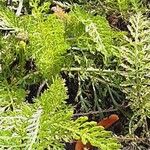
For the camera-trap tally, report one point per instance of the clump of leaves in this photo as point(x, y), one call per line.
point(135, 61)
point(124, 6)
point(44, 47)
point(91, 33)
point(48, 45)
point(48, 122)
point(92, 43)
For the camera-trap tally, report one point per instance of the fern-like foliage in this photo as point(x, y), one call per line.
point(47, 44)
point(135, 61)
point(13, 127)
point(45, 36)
point(92, 43)
point(87, 132)
point(124, 6)
point(10, 95)
point(39, 39)
point(91, 33)
point(48, 123)
point(7, 18)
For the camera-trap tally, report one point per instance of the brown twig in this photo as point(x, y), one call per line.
point(94, 112)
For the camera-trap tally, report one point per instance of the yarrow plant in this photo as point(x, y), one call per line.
point(135, 61)
point(32, 52)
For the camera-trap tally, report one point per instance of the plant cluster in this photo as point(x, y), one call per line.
point(110, 67)
point(32, 51)
point(135, 62)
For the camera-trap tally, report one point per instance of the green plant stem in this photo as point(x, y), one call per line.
point(115, 103)
point(88, 70)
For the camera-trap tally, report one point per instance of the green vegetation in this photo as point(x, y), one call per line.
point(72, 60)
